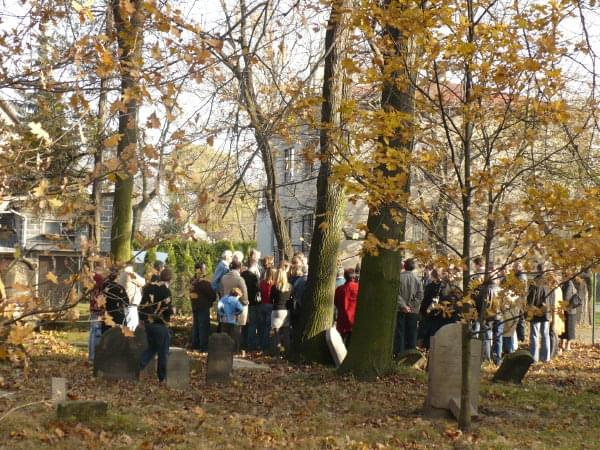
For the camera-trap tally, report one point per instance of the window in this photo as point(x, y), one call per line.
point(288, 164)
point(58, 228)
point(288, 224)
point(307, 230)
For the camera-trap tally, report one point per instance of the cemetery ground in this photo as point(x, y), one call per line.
point(557, 406)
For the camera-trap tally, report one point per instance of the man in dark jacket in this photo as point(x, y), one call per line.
point(537, 302)
point(116, 301)
point(252, 276)
point(155, 312)
point(202, 297)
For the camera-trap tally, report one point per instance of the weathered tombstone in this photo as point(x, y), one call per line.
point(413, 358)
point(59, 389)
point(445, 370)
point(81, 409)
point(336, 345)
point(118, 356)
point(514, 367)
point(220, 358)
point(178, 368)
point(18, 281)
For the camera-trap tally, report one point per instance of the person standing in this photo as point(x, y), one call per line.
point(116, 301)
point(229, 309)
point(155, 312)
point(202, 297)
point(280, 317)
point(266, 307)
point(571, 302)
point(229, 281)
point(537, 302)
point(133, 284)
point(251, 277)
point(97, 301)
point(345, 302)
point(410, 296)
point(221, 269)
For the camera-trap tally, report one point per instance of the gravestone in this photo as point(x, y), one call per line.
point(18, 281)
point(445, 371)
point(514, 367)
point(118, 356)
point(81, 409)
point(59, 389)
point(178, 368)
point(336, 345)
point(220, 358)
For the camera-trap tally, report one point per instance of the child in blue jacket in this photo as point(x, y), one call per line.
point(228, 309)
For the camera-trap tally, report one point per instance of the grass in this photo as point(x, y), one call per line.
point(558, 406)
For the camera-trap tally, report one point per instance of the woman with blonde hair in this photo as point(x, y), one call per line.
point(280, 321)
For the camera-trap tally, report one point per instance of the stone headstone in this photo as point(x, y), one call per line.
point(244, 364)
point(413, 358)
point(514, 367)
point(220, 358)
point(81, 409)
point(178, 368)
point(336, 345)
point(445, 370)
point(118, 356)
point(59, 389)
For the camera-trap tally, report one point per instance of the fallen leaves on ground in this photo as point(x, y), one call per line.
point(295, 406)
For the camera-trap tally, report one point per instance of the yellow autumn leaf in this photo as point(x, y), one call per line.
point(50, 276)
point(101, 301)
point(40, 190)
point(55, 202)
point(108, 320)
point(39, 132)
point(18, 334)
point(112, 140)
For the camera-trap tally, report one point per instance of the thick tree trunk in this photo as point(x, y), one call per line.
point(371, 346)
point(129, 31)
point(317, 311)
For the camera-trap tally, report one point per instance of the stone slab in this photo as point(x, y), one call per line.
point(244, 364)
point(118, 356)
point(178, 368)
point(514, 367)
point(220, 358)
point(445, 369)
point(336, 345)
point(59, 389)
point(81, 409)
point(413, 358)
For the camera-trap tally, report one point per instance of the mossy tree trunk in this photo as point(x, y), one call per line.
point(129, 31)
point(317, 310)
point(371, 346)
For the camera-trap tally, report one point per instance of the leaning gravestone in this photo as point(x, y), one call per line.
point(336, 345)
point(178, 368)
point(413, 358)
point(445, 371)
point(514, 367)
point(220, 358)
point(118, 356)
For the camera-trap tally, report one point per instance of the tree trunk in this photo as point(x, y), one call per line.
point(371, 346)
point(464, 420)
point(317, 311)
point(129, 30)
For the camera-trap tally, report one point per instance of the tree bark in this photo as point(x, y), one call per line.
point(129, 30)
point(317, 308)
point(371, 346)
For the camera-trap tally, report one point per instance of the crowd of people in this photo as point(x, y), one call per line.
point(259, 305)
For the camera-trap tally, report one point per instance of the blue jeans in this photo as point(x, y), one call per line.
point(95, 335)
point(252, 327)
point(492, 344)
point(540, 337)
point(509, 344)
point(264, 325)
point(159, 340)
point(405, 337)
point(200, 329)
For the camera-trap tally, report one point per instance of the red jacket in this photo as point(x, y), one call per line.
point(345, 302)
